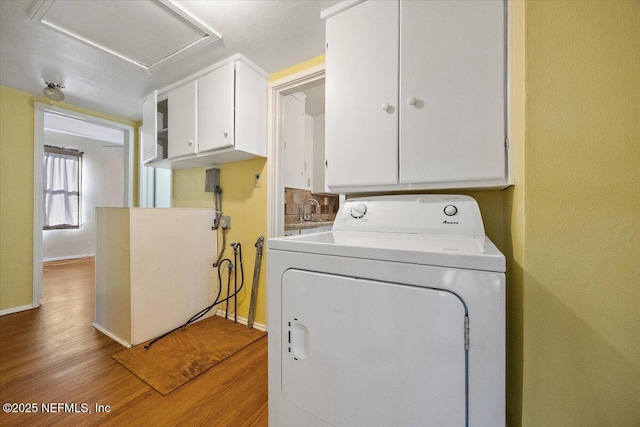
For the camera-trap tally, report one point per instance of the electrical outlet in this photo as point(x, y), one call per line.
point(258, 183)
point(225, 221)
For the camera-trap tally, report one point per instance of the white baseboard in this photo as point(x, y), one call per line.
point(112, 336)
point(15, 309)
point(242, 320)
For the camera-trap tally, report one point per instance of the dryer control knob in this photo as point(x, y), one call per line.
point(450, 210)
point(358, 210)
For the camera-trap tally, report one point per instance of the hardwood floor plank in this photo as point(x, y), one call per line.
point(53, 355)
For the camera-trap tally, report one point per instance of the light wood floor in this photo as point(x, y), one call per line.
point(54, 355)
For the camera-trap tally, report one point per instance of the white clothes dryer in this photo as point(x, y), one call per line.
point(396, 317)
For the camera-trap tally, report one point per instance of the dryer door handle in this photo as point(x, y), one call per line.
point(299, 341)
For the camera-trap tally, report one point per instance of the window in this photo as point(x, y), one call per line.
point(62, 183)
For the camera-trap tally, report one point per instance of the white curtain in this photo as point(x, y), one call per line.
point(61, 189)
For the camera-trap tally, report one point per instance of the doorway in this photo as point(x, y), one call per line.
point(82, 126)
point(308, 80)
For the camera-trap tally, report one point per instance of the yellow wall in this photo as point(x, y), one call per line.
point(514, 220)
point(316, 60)
point(247, 207)
point(16, 192)
point(581, 279)
point(16, 198)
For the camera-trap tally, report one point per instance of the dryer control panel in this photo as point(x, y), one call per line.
point(414, 214)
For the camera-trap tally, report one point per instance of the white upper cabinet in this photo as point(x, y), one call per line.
point(294, 141)
point(309, 142)
point(154, 136)
point(362, 96)
point(416, 96)
point(149, 127)
point(250, 110)
point(183, 120)
point(318, 168)
point(215, 116)
point(452, 91)
point(215, 108)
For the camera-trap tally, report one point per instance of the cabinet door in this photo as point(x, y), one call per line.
point(215, 109)
point(149, 128)
point(293, 129)
point(318, 155)
point(361, 95)
point(452, 91)
point(251, 110)
point(307, 163)
point(183, 120)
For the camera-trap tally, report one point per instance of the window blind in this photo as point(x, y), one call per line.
point(62, 184)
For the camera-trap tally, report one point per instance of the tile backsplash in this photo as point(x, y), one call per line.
point(294, 198)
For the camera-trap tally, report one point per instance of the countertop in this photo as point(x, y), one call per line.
point(306, 224)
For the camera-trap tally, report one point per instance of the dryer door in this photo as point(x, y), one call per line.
point(368, 353)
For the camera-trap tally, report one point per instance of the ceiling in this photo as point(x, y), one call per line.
point(128, 49)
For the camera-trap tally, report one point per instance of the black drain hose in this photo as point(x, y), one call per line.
point(237, 256)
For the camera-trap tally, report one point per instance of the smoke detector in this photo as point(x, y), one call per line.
point(53, 92)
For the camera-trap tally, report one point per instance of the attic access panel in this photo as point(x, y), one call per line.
point(146, 33)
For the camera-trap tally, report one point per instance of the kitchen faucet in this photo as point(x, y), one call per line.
point(305, 217)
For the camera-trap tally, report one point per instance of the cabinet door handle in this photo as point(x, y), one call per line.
point(412, 100)
point(191, 142)
point(386, 106)
point(226, 133)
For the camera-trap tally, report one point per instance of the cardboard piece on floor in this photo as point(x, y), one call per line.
point(183, 355)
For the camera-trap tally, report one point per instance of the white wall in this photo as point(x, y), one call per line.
point(102, 186)
point(153, 270)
